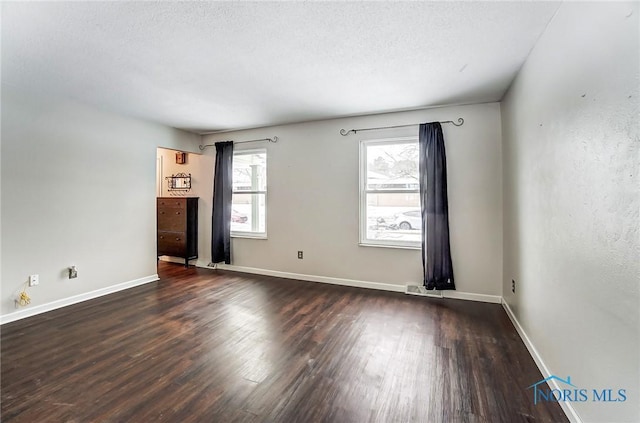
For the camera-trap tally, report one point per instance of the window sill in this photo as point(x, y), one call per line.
point(249, 236)
point(400, 247)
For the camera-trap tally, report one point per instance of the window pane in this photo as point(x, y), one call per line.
point(392, 166)
point(393, 217)
point(248, 213)
point(250, 171)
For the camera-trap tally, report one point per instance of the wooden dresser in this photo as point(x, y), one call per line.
point(178, 227)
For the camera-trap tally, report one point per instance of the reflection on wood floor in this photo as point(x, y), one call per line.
point(213, 346)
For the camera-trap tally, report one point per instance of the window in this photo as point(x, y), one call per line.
point(249, 204)
point(389, 193)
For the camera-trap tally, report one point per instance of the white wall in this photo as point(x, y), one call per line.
point(78, 188)
point(571, 155)
point(313, 200)
point(201, 169)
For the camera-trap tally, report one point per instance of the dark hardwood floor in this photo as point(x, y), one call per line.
point(212, 346)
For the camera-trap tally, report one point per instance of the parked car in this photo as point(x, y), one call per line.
point(238, 217)
point(411, 219)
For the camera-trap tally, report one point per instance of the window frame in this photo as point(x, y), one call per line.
point(251, 234)
point(363, 191)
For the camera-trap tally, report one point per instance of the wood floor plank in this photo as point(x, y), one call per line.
point(209, 345)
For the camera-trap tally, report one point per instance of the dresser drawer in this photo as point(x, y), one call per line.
point(176, 203)
point(171, 243)
point(172, 219)
point(177, 219)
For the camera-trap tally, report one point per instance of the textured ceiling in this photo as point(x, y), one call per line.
point(205, 66)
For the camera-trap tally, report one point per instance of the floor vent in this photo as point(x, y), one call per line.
point(422, 291)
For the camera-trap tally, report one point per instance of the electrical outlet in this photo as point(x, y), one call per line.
point(300, 254)
point(34, 280)
point(513, 286)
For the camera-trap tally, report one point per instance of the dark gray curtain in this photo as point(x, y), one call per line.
point(222, 192)
point(436, 253)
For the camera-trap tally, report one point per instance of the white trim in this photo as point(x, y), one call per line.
point(472, 296)
point(363, 191)
point(400, 247)
point(353, 282)
point(159, 173)
point(204, 264)
point(249, 235)
point(265, 192)
point(313, 278)
point(567, 407)
point(43, 308)
point(392, 191)
point(391, 140)
point(247, 151)
point(177, 260)
point(423, 292)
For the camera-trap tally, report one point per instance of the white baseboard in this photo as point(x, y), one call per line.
point(43, 308)
point(470, 296)
point(313, 278)
point(567, 407)
point(352, 282)
point(179, 260)
point(203, 263)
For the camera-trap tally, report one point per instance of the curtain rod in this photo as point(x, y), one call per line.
point(344, 132)
point(274, 139)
